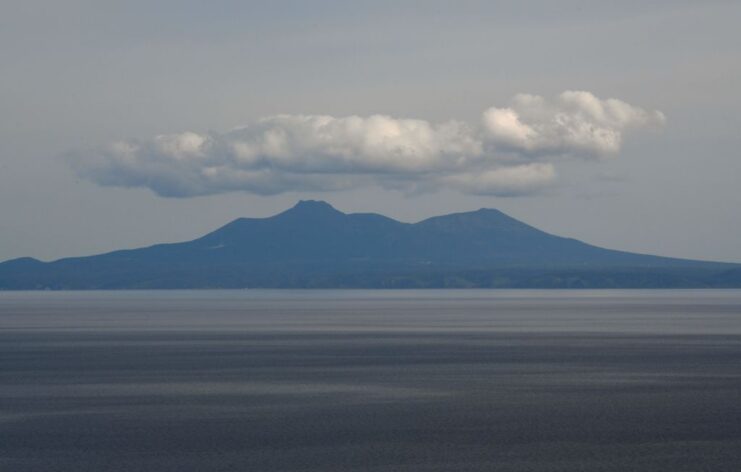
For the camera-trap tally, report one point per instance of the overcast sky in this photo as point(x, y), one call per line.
point(129, 123)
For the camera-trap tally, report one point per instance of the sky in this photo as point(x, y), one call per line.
point(129, 123)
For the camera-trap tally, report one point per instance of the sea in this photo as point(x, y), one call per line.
point(354, 380)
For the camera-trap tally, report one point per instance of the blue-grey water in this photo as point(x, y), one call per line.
point(370, 381)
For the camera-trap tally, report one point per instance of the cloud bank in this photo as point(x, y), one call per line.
point(510, 152)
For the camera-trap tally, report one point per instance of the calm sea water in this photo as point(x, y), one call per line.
point(371, 381)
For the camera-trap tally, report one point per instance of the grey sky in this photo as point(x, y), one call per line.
point(81, 74)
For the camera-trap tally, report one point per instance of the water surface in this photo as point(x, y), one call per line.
point(370, 381)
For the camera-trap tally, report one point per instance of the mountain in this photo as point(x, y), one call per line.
point(315, 245)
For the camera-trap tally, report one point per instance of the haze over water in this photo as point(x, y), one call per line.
point(370, 380)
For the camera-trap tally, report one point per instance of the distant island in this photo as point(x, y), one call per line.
point(313, 245)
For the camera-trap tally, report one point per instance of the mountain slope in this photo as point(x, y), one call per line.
point(315, 245)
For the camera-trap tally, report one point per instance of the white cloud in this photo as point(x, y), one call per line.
point(505, 181)
point(574, 123)
point(509, 153)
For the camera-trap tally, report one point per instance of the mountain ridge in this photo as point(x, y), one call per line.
point(313, 244)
